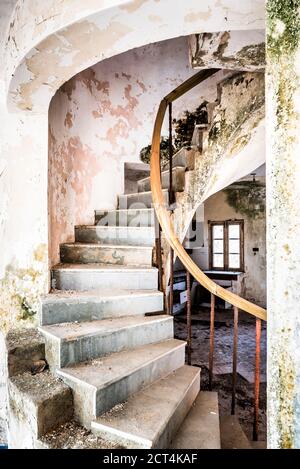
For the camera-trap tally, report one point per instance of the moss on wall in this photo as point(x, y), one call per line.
point(20, 291)
point(247, 198)
point(283, 27)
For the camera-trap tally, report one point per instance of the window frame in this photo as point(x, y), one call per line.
point(225, 224)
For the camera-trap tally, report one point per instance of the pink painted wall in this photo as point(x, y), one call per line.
point(102, 118)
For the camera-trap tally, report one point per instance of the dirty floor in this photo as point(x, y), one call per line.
point(223, 362)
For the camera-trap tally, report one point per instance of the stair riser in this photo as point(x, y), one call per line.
point(178, 181)
point(142, 218)
point(184, 158)
point(115, 236)
point(74, 309)
point(106, 255)
point(60, 354)
point(28, 420)
point(178, 416)
point(191, 435)
point(91, 280)
point(143, 199)
point(90, 404)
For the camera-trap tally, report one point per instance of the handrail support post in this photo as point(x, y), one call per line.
point(234, 357)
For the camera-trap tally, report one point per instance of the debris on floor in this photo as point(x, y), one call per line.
point(222, 381)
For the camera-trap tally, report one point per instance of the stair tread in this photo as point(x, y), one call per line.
point(102, 267)
point(95, 295)
point(261, 444)
point(232, 434)
point(146, 413)
point(126, 209)
point(72, 331)
point(103, 371)
point(40, 387)
point(115, 227)
point(107, 246)
point(71, 435)
point(201, 427)
point(175, 168)
point(141, 193)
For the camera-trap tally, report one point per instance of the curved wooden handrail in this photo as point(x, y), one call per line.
point(163, 214)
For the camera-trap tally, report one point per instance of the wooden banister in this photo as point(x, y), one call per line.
point(163, 214)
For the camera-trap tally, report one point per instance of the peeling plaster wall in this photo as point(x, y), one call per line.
point(35, 66)
point(68, 40)
point(103, 117)
point(235, 50)
point(50, 59)
point(23, 232)
point(216, 208)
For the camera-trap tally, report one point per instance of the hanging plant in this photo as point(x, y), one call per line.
point(145, 153)
point(183, 129)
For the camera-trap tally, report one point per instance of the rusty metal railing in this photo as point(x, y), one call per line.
point(163, 217)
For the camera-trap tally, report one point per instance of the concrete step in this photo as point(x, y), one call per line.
point(71, 435)
point(71, 343)
point(37, 405)
point(200, 137)
point(84, 277)
point(132, 173)
point(151, 417)
point(178, 180)
point(79, 253)
point(100, 384)
point(201, 427)
point(74, 306)
point(184, 158)
point(232, 434)
point(262, 444)
point(134, 217)
point(143, 199)
point(23, 348)
point(115, 235)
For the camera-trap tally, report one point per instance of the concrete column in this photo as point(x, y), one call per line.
point(283, 222)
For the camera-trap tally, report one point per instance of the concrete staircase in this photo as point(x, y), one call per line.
point(106, 336)
point(108, 339)
point(114, 362)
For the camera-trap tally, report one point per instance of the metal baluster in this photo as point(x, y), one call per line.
point(189, 317)
point(234, 357)
point(257, 378)
point(171, 193)
point(171, 281)
point(211, 339)
point(158, 252)
point(171, 200)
